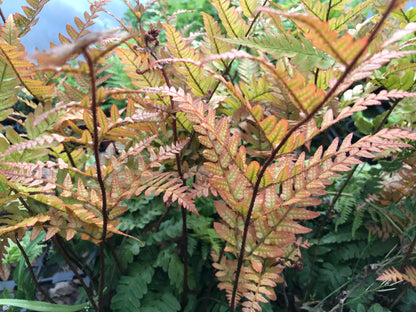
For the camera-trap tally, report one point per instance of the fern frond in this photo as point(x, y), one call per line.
point(345, 206)
point(300, 50)
point(16, 70)
point(366, 68)
point(196, 78)
point(321, 10)
point(304, 96)
point(398, 35)
point(317, 8)
point(249, 7)
point(24, 23)
point(24, 224)
point(341, 22)
point(233, 23)
point(35, 142)
point(132, 286)
point(248, 70)
point(342, 48)
point(136, 68)
point(213, 44)
point(259, 281)
point(234, 180)
point(360, 105)
point(95, 8)
point(30, 176)
point(171, 187)
point(394, 275)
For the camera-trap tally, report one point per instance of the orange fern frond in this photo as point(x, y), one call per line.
point(25, 223)
point(394, 275)
point(35, 142)
point(95, 8)
point(342, 48)
point(17, 72)
point(366, 68)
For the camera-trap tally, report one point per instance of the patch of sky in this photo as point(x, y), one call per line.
point(56, 14)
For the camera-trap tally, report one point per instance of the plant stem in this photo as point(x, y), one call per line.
point(96, 143)
point(63, 252)
point(184, 239)
point(68, 153)
point(32, 274)
point(2, 16)
point(269, 160)
point(74, 258)
point(116, 257)
point(408, 254)
point(23, 202)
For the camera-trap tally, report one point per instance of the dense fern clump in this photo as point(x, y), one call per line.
point(191, 159)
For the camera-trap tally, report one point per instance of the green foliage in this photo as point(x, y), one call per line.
point(131, 288)
point(33, 250)
point(300, 50)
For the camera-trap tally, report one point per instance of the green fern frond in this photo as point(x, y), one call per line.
point(213, 43)
point(249, 7)
point(196, 78)
point(345, 206)
point(302, 53)
point(317, 8)
point(233, 23)
point(248, 70)
point(341, 22)
point(132, 287)
point(24, 23)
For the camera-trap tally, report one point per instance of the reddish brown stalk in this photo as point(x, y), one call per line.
point(67, 259)
point(116, 258)
point(269, 160)
point(100, 180)
point(2, 16)
point(32, 274)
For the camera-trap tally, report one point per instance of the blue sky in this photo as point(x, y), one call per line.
point(56, 14)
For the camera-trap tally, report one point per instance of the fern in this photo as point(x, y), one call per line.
point(16, 71)
point(233, 23)
point(345, 206)
point(25, 22)
point(232, 119)
point(393, 275)
point(134, 287)
point(95, 7)
point(195, 77)
point(301, 51)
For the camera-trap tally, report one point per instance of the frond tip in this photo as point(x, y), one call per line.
point(393, 275)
